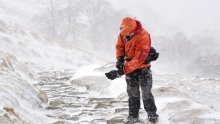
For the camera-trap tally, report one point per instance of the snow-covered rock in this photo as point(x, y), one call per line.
point(21, 101)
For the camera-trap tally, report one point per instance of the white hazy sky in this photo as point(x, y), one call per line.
point(191, 16)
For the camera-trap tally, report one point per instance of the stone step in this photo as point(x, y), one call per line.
point(69, 105)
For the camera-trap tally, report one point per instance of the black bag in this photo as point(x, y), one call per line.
point(152, 56)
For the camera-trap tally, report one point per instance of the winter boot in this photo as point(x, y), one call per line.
point(153, 118)
point(132, 120)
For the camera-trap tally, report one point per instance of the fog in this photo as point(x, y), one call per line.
point(186, 33)
point(192, 17)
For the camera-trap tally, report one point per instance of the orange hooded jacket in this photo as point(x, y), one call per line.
point(136, 49)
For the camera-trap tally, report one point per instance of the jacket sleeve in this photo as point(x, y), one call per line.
point(120, 48)
point(141, 52)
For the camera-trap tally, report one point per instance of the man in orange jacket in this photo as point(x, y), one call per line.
point(132, 49)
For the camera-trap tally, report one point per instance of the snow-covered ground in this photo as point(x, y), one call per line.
point(21, 102)
point(31, 48)
point(84, 95)
point(180, 99)
point(41, 82)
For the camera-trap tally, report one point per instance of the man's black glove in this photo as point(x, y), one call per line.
point(120, 63)
point(114, 74)
point(152, 56)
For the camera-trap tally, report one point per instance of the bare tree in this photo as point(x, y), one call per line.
point(53, 19)
point(93, 22)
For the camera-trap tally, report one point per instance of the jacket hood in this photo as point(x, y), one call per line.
point(128, 25)
point(139, 25)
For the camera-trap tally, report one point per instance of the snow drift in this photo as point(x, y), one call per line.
point(21, 102)
point(176, 99)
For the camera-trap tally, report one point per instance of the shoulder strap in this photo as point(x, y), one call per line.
point(127, 38)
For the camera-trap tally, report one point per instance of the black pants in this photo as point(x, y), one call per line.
point(140, 78)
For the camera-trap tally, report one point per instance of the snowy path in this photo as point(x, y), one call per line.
point(70, 105)
point(74, 101)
